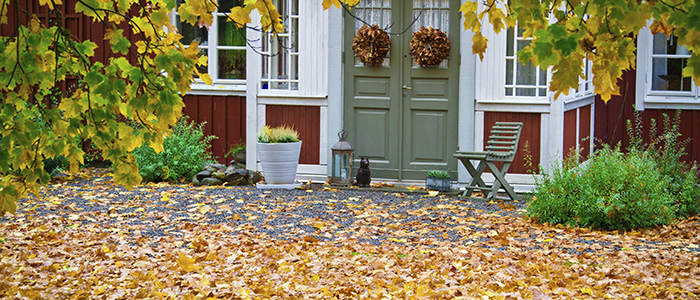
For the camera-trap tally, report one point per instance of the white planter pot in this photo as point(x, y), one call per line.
point(279, 161)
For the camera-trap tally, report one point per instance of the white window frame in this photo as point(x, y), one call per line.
point(491, 80)
point(219, 86)
point(541, 85)
point(645, 96)
point(289, 50)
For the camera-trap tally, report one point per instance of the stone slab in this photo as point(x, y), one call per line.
point(267, 186)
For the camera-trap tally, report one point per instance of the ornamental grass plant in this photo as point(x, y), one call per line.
point(439, 174)
point(279, 134)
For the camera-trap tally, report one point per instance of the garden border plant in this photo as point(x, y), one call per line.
point(185, 151)
point(646, 186)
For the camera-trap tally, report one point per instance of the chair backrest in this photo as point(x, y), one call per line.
point(503, 141)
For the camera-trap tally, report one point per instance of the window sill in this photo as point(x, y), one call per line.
point(672, 102)
point(217, 89)
point(513, 105)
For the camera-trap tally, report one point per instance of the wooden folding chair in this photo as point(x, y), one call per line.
point(501, 146)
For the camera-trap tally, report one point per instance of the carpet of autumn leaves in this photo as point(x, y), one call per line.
point(185, 242)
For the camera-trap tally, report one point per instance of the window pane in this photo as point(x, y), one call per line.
point(232, 64)
point(511, 40)
point(665, 45)
point(530, 92)
point(525, 74)
point(667, 75)
point(294, 66)
point(192, 33)
point(543, 77)
point(295, 35)
point(509, 71)
point(226, 5)
point(229, 34)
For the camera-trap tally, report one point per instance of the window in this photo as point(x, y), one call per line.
point(667, 62)
point(280, 53)
point(585, 85)
point(660, 81)
point(522, 80)
point(223, 43)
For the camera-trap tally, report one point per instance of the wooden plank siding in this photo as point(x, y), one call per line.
point(530, 134)
point(306, 120)
point(611, 119)
point(570, 124)
point(577, 123)
point(224, 117)
point(585, 130)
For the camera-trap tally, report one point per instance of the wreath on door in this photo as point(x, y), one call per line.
point(429, 46)
point(371, 45)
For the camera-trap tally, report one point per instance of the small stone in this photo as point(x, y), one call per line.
point(202, 175)
point(216, 166)
point(255, 177)
point(219, 175)
point(240, 181)
point(195, 181)
point(233, 176)
point(211, 181)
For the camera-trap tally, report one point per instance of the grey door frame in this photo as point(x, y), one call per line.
point(395, 80)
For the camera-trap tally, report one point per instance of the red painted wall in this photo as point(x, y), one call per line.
point(611, 119)
point(224, 117)
point(577, 121)
point(306, 120)
point(530, 134)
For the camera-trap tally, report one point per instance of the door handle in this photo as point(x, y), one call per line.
point(407, 87)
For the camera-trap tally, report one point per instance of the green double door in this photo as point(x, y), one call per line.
point(401, 115)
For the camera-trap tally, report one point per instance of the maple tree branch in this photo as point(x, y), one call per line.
point(675, 7)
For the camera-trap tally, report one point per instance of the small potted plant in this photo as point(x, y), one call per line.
point(438, 181)
point(278, 150)
point(237, 152)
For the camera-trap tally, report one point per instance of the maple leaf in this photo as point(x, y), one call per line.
point(479, 46)
point(328, 3)
point(186, 263)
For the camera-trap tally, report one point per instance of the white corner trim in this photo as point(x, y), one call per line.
point(578, 103)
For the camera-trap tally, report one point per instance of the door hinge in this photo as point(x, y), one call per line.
point(342, 60)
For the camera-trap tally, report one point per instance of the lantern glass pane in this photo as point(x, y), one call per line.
point(346, 167)
point(336, 165)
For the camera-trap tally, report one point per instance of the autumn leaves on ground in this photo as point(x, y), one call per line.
point(87, 238)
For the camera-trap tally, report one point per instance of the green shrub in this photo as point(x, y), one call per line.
point(56, 164)
point(438, 174)
point(614, 191)
point(185, 151)
point(666, 149)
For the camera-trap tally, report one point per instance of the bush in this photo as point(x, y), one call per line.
point(666, 150)
point(55, 165)
point(184, 154)
point(615, 191)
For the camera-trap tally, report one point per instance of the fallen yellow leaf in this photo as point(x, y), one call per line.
point(186, 263)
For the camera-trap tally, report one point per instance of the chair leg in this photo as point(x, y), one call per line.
point(476, 176)
point(500, 174)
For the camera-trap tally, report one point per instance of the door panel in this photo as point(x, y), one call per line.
point(429, 131)
point(400, 115)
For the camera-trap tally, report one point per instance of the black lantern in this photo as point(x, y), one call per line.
point(341, 172)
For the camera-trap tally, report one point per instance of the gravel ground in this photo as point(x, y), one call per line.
point(317, 212)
